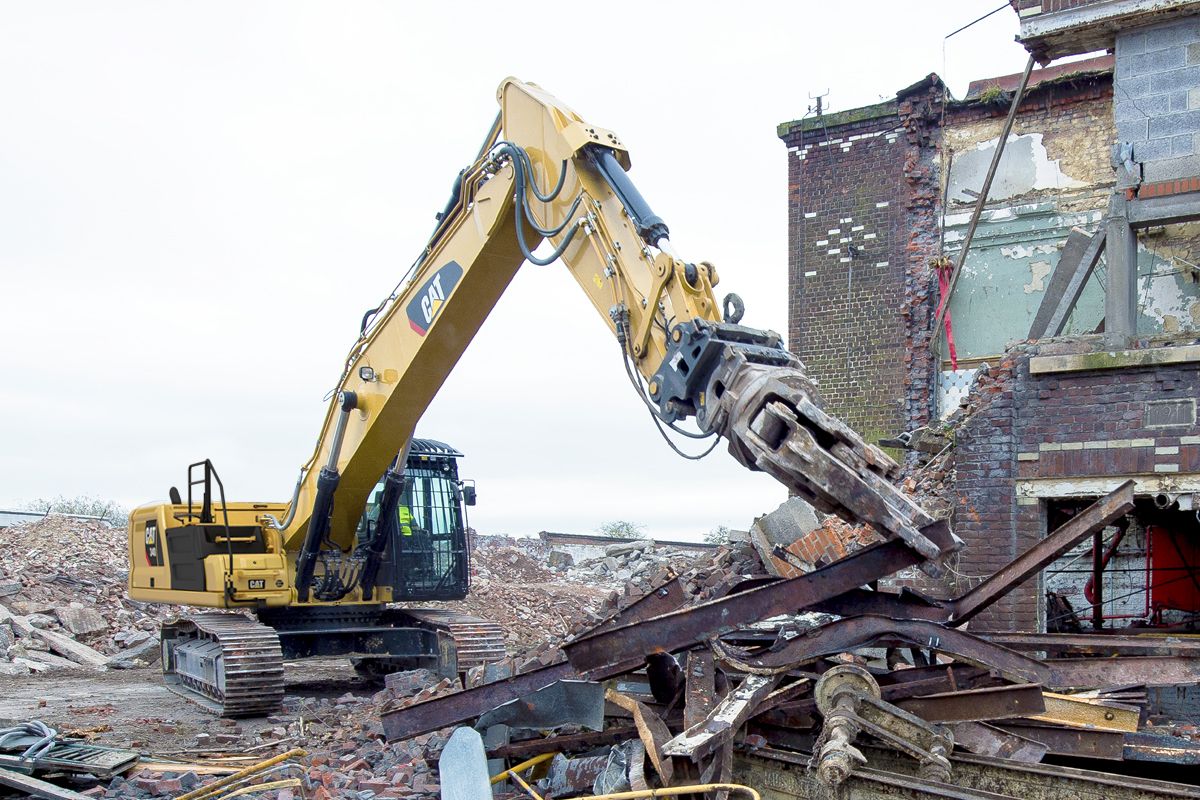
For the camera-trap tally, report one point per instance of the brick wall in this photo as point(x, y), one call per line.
point(1057, 426)
point(857, 182)
point(1157, 105)
point(846, 265)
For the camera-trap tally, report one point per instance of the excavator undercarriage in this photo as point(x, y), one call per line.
point(232, 664)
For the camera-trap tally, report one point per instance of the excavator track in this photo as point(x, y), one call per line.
point(477, 641)
point(227, 663)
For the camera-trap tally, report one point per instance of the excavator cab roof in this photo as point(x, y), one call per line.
point(432, 447)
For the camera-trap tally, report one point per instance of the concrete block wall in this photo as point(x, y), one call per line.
point(1157, 97)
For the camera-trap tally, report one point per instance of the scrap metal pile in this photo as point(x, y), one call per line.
point(663, 692)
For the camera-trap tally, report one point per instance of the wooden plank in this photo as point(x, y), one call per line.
point(37, 788)
point(651, 730)
point(177, 768)
point(1075, 266)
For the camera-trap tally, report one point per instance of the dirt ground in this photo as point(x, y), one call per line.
point(134, 709)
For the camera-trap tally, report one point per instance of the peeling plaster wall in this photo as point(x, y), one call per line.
point(1054, 174)
point(1004, 280)
point(1168, 285)
point(1025, 166)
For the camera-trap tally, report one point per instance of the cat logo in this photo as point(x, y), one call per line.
point(423, 309)
point(153, 545)
point(257, 583)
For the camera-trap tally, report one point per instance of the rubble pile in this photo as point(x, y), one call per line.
point(931, 479)
point(347, 753)
point(672, 697)
point(63, 600)
point(540, 605)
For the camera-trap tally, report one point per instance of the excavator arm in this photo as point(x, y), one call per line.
point(545, 175)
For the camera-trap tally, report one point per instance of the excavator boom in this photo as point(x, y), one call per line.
point(545, 174)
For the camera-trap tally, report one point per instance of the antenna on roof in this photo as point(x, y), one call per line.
point(816, 108)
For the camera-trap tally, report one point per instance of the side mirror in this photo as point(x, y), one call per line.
point(468, 493)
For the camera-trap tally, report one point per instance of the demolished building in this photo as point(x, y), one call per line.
point(1075, 314)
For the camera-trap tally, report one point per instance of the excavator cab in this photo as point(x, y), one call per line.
point(428, 557)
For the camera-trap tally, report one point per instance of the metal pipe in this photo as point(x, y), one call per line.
point(524, 765)
point(289, 783)
point(1098, 580)
point(211, 789)
point(280, 525)
point(650, 226)
point(327, 483)
point(979, 204)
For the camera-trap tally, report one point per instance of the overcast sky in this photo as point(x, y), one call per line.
point(199, 200)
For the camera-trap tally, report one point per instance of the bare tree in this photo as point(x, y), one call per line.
point(83, 505)
point(718, 535)
point(623, 529)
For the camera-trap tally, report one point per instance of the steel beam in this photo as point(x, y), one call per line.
point(1096, 673)
point(1080, 256)
point(569, 743)
point(854, 632)
point(1044, 781)
point(594, 654)
point(1165, 210)
point(724, 721)
point(700, 687)
point(978, 705)
point(1108, 745)
point(1106, 645)
point(1073, 712)
point(1120, 289)
point(414, 720)
point(988, 740)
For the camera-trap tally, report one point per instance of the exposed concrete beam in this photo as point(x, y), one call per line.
point(1144, 486)
point(1165, 210)
point(1121, 359)
point(1087, 28)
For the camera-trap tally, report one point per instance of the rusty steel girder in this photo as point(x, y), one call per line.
point(1095, 517)
point(978, 705)
point(596, 654)
point(405, 723)
point(1093, 673)
point(908, 604)
point(853, 632)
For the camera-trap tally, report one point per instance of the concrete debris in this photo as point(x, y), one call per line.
point(62, 591)
point(669, 719)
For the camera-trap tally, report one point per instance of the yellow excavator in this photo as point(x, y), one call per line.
point(361, 531)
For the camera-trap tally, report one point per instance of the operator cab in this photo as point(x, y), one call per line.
point(428, 557)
